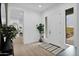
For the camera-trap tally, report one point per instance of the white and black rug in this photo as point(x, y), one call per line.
point(54, 49)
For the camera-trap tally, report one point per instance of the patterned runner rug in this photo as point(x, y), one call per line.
point(54, 49)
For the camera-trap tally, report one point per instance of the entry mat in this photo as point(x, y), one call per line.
point(54, 49)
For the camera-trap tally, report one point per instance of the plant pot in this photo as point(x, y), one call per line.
point(7, 46)
point(40, 40)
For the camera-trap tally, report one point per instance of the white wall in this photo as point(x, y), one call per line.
point(30, 20)
point(56, 24)
point(31, 34)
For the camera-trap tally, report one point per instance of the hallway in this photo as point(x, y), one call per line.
point(26, 19)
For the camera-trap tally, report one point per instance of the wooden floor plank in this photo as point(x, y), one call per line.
point(34, 49)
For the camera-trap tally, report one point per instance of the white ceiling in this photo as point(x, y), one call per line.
point(34, 6)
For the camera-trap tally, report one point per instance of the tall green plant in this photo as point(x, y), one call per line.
point(8, 32)
point(40, 28)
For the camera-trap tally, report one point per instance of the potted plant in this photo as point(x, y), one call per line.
point(40, 28)
point(9, 33)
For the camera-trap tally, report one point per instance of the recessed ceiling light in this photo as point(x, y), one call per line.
point(39, 6)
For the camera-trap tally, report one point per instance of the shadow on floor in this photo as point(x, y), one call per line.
point(70, 51)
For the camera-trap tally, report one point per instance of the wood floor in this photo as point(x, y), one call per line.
point(29, 50)
point(34, 50)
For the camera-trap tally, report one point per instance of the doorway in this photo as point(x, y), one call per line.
point(69, 25)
